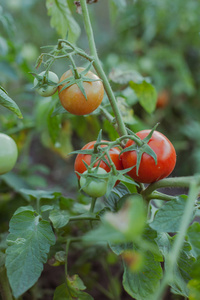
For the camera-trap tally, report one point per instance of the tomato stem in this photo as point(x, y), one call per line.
point(179, 241)
point(97, 65)
point(170, 182)
point(92, 206)
point(5, 290)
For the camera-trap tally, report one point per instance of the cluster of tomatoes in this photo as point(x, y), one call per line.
point(149, 170)
point(75, 102)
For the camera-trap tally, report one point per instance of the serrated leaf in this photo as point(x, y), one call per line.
point(29, 242)
point(7, 102)
point(168, 217)
point(141, 285)
point(62, 19)
point(146, 94)
point(193, 234)
point(182, 269)
point(72, 290)
point(59, 218)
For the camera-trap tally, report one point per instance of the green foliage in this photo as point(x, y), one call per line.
point(41, 196)
point(72, 289)
point(62, 19)
point(28, 245)
point(168, 217)
point(7, 102)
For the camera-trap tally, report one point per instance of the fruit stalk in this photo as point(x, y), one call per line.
point(97, 65)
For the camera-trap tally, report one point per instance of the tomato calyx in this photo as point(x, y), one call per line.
point(141, 148)
point(78, 79)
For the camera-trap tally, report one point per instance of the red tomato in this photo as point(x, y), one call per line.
point(163, 99)
point(114, 154)
point(149, 171)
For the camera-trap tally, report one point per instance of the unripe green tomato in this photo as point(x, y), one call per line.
point(46, 89)
point(97, 187)
point(8, 153)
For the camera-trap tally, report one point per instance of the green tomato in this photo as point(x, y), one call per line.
point(8, 153)
point(49, 88)
point(94, 187)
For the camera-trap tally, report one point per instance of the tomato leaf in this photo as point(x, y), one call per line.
point(10, 104)
point(146, 94)
point(141, 285)
point(168, 217)
point(62, 19)
point(193, 234)
point(72, 290)
point(182, 269)
point(29, 242)
point(59, 218)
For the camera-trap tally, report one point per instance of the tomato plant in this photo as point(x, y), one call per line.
point(149, 170)
point(72, 98)
point(148, 233)
point(8, 153)
point(47, 86)
point(94, 187)
point(114, 153)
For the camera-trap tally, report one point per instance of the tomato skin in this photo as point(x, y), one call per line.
point(74, 101)
point(114, 154)
point(96, 187)
point(47, 90)
point(149, 171)
point(8, 153)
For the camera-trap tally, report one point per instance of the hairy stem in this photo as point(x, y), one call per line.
point(170, 182)
point(97, 65)
point(4, 285)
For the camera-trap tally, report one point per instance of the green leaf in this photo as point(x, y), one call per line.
point(29, 242)
point(146, 94)
point(193, 234)
point(59, 218)
point(72, 290)
point(62, 19)
point(7, 102)
point(169, 216)
point(39, 194)
point(182, 269)
point(124, 226)
point(58, 110)
point(141, 285)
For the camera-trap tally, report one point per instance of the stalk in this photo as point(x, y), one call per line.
point(178, 243)
point(97, 65)
point(4, 285)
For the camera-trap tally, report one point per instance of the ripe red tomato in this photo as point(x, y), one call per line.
point(149, 171)
point(163, 99)
point(73, 100)
point(81, 168)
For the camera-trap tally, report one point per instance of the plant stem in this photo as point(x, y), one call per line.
point(159, 196)
point(66, 261)
point(77, 218)
point(94, 199)
point(170, 182)
point(97, 65)
point(178, 243)
point(4, 285)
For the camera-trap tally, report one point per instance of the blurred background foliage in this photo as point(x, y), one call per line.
point(156, 39)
